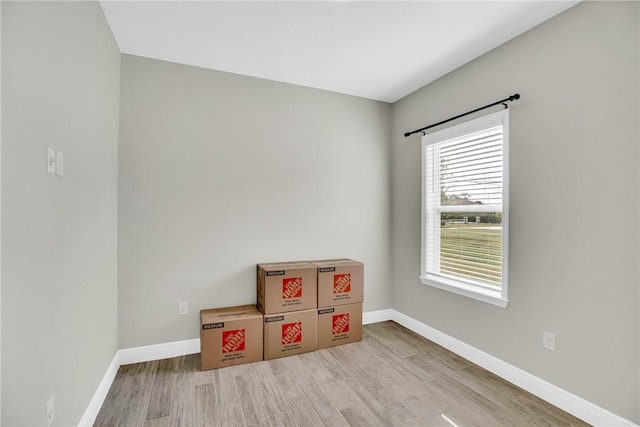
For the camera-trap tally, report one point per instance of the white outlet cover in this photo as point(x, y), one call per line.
point(549, 341)
point(183, 308)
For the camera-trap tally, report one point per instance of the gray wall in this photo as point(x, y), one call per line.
point(60, 88)
point(220, 171)
point(0, 218)
point(574, 203)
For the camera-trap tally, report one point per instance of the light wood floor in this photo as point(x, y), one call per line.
point(392, 378)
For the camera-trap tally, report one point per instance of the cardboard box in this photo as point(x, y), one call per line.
point(338, 325)
point(286, 334)
point(289, 286)
point(340, 281)
point(230, 336)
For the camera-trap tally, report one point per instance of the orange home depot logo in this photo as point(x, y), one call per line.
point(233, 341)
point(340, 323)
point(292, 287)
point(291, 332)
point(341, 283)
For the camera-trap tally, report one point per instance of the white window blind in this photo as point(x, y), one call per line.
point(465, 189)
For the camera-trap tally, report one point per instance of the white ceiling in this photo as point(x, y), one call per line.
point(380, 50)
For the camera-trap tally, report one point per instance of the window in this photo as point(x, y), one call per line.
point(465, 208)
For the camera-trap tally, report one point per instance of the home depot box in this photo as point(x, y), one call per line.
point(286, 334)
point(340, 281)
point(338, 325)
point(286, 287)
point(230, 336)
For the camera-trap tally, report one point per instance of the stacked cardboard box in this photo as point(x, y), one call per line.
point(287, 286)
point(290, 333)
point(339, 325)
point(340, 296)
point(287, 296)
point(230, 336)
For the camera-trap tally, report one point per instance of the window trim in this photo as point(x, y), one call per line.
point(460, 287)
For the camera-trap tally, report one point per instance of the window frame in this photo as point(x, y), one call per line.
point(459, 286)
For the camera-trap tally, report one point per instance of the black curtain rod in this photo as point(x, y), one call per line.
point(502, 101)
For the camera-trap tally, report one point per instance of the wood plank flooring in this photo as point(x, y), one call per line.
point(392, 378)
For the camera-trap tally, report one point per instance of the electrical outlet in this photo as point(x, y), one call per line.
point(51, 411)
point(549, 341)
point(183, 308)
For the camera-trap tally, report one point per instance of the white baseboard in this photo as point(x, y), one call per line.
point(377, 316)
point(561, 398)
point(90, 414)
point(564, 400)
point(159, 351)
